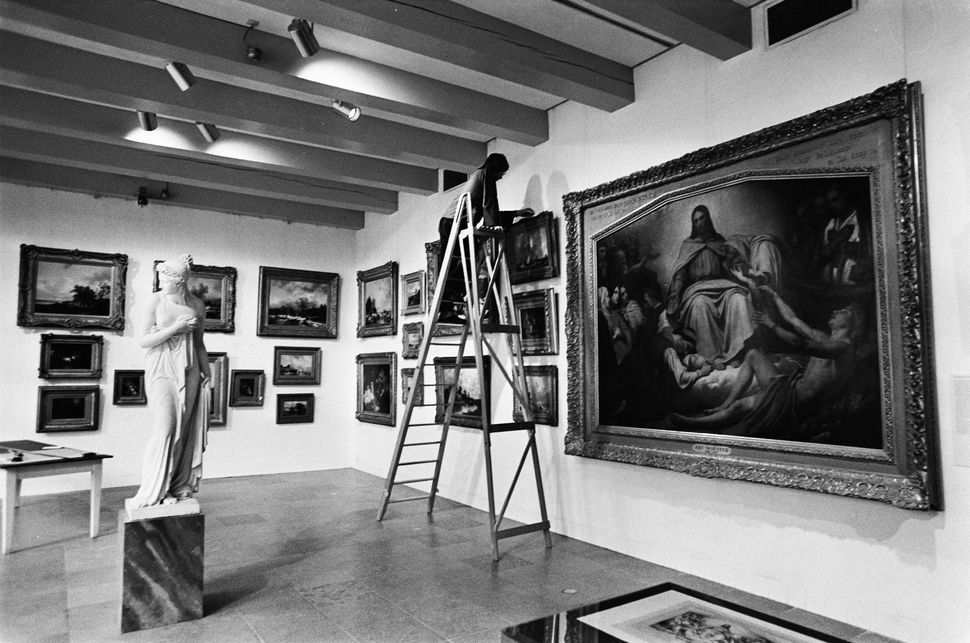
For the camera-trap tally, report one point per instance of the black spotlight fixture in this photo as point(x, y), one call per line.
point(302, 34)
point(147, 120)
point(164, 194)
point(253, 52)
point(348, 110)
point(209, 131)
point(142, 197)
point(181, 74)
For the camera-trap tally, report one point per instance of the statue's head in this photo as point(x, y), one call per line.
point(176, 270)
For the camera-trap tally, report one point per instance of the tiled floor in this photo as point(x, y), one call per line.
point(300, 557)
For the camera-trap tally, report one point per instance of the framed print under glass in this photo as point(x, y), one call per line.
point(246, 388)
point(219, 393)
point(70, 356)
point(296, 365)
point(71, 288)
point(298, 303)
point(760, 310)
point(469, 398)
point(377, 300)
point(533, 249)
point(216, 287)
point(294, 408)
point(377, 388)
point(129, 388)
point(413, 293)
point(68, 408)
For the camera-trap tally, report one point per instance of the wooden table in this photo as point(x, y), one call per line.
point(38, 459)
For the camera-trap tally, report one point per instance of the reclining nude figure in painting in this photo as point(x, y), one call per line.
point(177, 370)
point(786, 394)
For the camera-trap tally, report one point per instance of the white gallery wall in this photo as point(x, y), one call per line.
point(904, 574)
point(251, 442)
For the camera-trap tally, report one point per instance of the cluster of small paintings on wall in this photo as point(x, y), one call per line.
point(77, 289)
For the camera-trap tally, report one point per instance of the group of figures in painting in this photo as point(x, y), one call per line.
point(747, 310)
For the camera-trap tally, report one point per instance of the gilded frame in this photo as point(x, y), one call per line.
point(97, 299)
point(407, 376)
point(376, 399)
point(544, 398)
point(444, 367)
point(220, 311)
point(411, 336)
point(377, 301)
point(537, 315)
point(877, 137)
point(414, 293)
point(289, 365)
point(533, 249)
point(285, 298)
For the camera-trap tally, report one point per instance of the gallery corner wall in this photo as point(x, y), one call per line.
point(251, 442)
point(902, 573)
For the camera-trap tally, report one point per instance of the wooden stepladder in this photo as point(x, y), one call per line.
point(489, 311)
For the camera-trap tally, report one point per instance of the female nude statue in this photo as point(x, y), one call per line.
point(176, 371)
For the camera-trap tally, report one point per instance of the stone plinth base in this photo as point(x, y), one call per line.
point(162, 577)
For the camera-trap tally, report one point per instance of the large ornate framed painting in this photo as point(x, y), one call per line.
point(71, 288)
point(216, 287)
point(760, 311)
point(297, 303)
point(377, 300)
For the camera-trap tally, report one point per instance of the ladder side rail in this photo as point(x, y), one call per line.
point(446, 425)
point(539, 488)
point(515, 347)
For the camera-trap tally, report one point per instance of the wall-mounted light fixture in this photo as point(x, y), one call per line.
point(142, 197)
point(181, 74)
point(348, 110)
point(302, 34)
point(147, 120)
point(209, 131)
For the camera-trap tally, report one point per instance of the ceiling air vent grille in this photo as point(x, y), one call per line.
point(788, 19)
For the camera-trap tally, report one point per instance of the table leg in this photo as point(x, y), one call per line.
point(16, 502)
point(95, 498)
point(10, 500)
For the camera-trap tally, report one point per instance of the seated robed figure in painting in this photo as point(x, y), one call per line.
point(742, 333)
point(176, 378)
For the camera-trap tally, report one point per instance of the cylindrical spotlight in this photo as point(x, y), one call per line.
point(147, 120)
point(181, 75)
point(209, 131)
point(302, 35)
point(349, 111)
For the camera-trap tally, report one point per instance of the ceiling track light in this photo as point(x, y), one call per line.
point(181, 74)
point(253, 52)
point(147, 120)
point(302, 34)
point(209, 131)
point(348, 110)
point(142, 198)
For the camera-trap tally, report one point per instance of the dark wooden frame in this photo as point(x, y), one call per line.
point(377, 359)
point(48, 345)
point(226, 275)
point(468, 369)
point(879, 136)
point(551, 416)
point(121, 398)
point(330, 281)
point(387, 271)
point(27, 313)
point(90, 397)
point(545, 225)
point(219, 369)
point(307, 398)
point(236, 398)
point(419, 308)
point(280, 378)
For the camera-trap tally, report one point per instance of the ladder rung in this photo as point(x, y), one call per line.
point(404, 464)
point(415, 480)
point(425, 424)
point(409, 499)
point(499, 328)
point(524, 529)
point(421, 444)
point(486, 232)
point(452, 344)
point(511, 426)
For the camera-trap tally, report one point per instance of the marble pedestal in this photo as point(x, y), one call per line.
point(162, 577)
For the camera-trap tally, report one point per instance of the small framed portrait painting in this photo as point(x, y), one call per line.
point(246, 388)
point(376, 390)
point(129, 388)
point(536, 311)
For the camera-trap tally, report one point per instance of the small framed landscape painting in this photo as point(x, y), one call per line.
point(246, 388)
point(294, 408)
point(413, 293)
point(377, 299)
point(216, 287)
point(297, 303)
point(411, 338)
point(68, 408)
point(543, 383)
point(469, 396)
point(70, 356)
point(296, 365)
point(71, 288)
point(129, 388)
